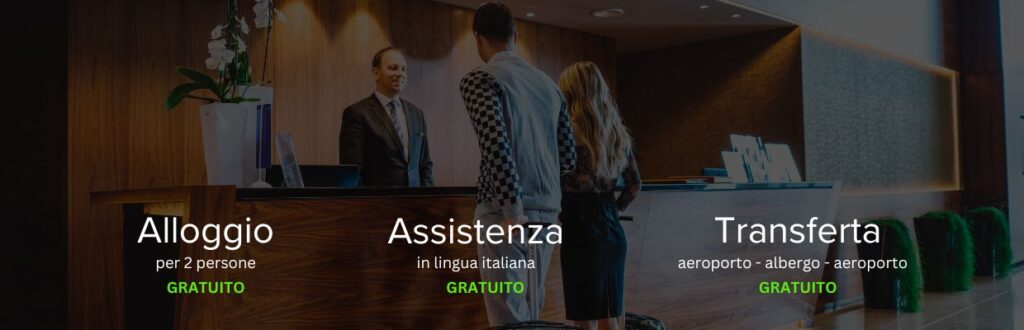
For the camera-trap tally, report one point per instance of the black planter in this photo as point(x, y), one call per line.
point(993, 254)
point(984, 248)
point(891, 288)
point(880, 287)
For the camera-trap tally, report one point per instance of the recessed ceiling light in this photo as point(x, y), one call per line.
point(530, 14)
point(608, 13)
point(735, 15)
point(704, 6)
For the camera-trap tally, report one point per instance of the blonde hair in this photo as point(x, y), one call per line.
point(596, 123)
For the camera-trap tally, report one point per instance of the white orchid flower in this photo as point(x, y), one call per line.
point(216, 46)
point(262, 21)
point(220, 55)
point(216, 63)
point(242, 25)
point(216, 33)
point(242, 47)
point(226, 56)
point(279, 15)
point(262, 10)
point(212, 63)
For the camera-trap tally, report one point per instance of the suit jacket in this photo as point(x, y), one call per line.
point(368, 139)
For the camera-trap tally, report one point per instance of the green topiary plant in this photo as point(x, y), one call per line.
point(992, 251)
point(892, 288)
point(947, 251)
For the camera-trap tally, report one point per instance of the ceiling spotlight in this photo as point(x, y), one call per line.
point(530, 14)
point(704, 6)
point(607, 13)
point(735, 15)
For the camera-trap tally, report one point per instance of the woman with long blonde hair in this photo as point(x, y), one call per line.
point(593, 243)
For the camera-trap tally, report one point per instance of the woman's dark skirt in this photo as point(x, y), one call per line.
point(593, 255)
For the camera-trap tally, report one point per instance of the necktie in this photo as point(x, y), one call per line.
point(394, 121)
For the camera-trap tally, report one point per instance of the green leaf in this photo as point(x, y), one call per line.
point(242, 70)
point(180, 92)
point(198, 77)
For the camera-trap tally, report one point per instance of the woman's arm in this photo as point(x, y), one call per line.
point(631, 176)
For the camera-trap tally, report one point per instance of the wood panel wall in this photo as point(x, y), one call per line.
point(682, 103)
point(982, 110)
point(988, 112)
point(121, 56)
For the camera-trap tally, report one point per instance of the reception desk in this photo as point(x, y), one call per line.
point(329, 264)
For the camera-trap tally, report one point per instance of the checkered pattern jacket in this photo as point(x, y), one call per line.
point(494, 113)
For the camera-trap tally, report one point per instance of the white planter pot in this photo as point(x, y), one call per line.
point(224, 126)
point(231, 141)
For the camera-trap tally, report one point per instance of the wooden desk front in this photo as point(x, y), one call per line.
point(329, 264)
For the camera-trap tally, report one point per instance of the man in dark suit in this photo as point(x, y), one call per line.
point(384, 134)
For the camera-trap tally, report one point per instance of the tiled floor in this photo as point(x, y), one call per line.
point(991, 304)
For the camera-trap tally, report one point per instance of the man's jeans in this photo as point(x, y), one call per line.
point(505, 308)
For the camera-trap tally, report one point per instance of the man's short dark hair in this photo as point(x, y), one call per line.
point(494, 21)
point(380, 53)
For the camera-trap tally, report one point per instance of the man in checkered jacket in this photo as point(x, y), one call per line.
point(526, 144)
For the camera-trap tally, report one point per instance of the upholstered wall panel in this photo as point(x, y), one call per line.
point(877, 122)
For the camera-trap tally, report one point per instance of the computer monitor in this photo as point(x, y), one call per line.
point(329, 176)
